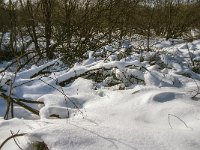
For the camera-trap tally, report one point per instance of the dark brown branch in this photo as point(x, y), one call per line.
point(11, 137)
point(28, 101)
point(15, 139)
point(34, 111)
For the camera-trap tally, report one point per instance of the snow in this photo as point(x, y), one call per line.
point(163, 44)
point(155, 110)
point(33, 70)
point(123, 120)
point(197, 58)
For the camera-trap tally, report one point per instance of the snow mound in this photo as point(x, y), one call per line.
point(118, 98)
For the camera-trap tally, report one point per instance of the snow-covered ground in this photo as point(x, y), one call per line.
point(158, 108)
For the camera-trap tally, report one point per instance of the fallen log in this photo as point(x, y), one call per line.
point(71, 75)
point(18, 102)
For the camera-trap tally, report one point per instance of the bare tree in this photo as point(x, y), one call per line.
point(47, 9)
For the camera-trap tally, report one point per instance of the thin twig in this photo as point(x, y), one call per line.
point(198, 90)
point(11, 137)
point(15, 139)
point(172, 115)
point(65, 96)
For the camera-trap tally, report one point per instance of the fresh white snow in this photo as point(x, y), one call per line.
point(157, 113)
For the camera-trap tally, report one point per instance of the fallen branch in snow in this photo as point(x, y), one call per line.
point(11, 137)
point(33, 72)
point(28, 81)
point(40, 70)
point(18, 102)
point(28, 101)
point(197, 91)
point(87, 72)
point(24, 74)
point(128, 78)
point(169, 121)
point(65, 97)
point(15, 139)
point(19, 66)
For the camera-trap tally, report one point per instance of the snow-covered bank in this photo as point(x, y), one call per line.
point(118, 120)
point(158, 107)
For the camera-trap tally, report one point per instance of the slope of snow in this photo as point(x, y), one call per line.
point(156, 110)
point(121, 120)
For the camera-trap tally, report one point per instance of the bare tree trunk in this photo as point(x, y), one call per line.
point(1, 39)
point(47, 11)
point(33, 27)
point(110, 21)
point(11, 11)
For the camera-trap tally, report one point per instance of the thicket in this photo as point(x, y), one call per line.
point(71, 27)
